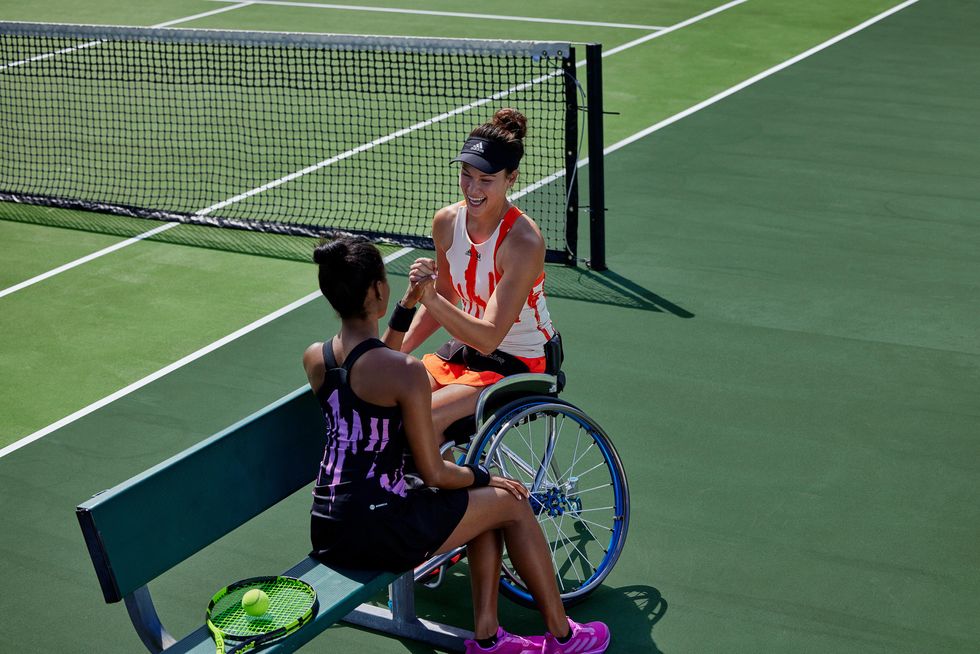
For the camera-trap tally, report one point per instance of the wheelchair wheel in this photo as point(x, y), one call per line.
point(578, 489)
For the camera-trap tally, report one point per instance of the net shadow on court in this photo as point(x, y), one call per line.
point(277, 246)
point(606, 287)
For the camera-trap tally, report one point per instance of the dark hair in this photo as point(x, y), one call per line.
point(508, 127)
point(349, 266)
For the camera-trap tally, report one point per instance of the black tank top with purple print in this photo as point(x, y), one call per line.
point(366, 456)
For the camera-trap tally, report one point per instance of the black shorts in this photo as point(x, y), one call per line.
point(396, 537)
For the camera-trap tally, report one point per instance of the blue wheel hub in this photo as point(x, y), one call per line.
point(554, 502)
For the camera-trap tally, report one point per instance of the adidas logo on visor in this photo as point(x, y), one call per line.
point(477, 147)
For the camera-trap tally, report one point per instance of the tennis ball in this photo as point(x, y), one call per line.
point(255, 602)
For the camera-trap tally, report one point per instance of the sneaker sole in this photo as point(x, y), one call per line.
point(599, 649)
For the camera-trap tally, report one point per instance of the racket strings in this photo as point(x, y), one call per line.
point(288, 601)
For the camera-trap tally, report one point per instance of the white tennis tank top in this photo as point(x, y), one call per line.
point(473, 269)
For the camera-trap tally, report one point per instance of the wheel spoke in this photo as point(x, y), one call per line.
point(518, 462)
point(554, 550)
point(574, 462)
point(565, 541)
point(555, 472)
point(598, 508)
point(594, 524)
point(594, 488)
point(582, 556)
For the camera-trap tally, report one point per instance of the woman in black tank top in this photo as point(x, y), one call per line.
point(384, 497)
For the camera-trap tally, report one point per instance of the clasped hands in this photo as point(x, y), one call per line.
point(421, 282)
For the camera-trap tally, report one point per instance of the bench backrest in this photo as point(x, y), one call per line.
point(143, 527)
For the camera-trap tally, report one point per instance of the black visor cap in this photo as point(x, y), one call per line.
point(487, 156)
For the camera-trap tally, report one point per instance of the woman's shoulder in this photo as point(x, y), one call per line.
point(525, 236)
point(392, 375)
point(522, 249)
point(314, 352)
point(446, 215)
point(394, 365)
point(313, 363)
point(443, 224)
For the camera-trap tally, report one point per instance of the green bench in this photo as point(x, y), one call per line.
point(143, 527)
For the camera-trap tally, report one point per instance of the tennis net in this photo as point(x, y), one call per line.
point(277, 133)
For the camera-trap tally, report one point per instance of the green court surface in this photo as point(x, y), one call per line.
point(784, 349)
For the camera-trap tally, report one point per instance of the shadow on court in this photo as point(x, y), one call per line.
point(607, 287)
point(631, 613)
point(262, 244)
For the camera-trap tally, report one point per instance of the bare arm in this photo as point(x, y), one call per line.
point(425, 324)
point(394, 338)
point(422, 328)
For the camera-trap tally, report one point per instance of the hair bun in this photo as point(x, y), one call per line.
point(330, 253)
point(511, 120)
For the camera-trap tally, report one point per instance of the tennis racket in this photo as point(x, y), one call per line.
point(292, 603)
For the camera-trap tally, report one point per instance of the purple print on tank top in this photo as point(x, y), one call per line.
point(360, 454)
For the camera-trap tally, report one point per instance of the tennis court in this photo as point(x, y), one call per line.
point(784, 347)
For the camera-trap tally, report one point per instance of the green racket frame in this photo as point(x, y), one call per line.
point(292, 604)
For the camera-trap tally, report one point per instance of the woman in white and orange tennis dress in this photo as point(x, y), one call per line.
point(486, 286)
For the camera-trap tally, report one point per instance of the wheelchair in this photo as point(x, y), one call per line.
point(578, 489)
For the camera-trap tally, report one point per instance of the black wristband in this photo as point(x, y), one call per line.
point(401, 318)
point(481, 476)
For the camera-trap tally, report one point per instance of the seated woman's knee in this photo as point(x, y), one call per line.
point(508, 508)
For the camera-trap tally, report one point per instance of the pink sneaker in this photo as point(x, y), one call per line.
point(588, 638)
point(508, 644)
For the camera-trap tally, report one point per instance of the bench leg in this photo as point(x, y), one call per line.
point(144, 617)
point(402, 622)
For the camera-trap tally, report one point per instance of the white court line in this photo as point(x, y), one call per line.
point(397, 134)
point(47, 55)
point(204, 14)
point(95, 406)
point(176, 21)
point(140, 237)
point(454, 14)
point(760, 76)
point(720, 96)
point(673, 28)
point(376, 142)
point(85, 259)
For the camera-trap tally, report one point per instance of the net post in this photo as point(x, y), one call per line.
point(597, 193)
point(571, 159)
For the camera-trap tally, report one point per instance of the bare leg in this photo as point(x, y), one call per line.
point(485, 554)
point(492, 509)
point(449, 404)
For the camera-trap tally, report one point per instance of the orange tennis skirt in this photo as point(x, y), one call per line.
point(446, 373)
